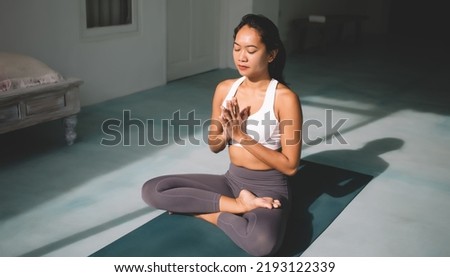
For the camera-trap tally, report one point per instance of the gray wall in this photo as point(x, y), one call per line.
point(50, 31)
point(377, 10)
point(116, 66)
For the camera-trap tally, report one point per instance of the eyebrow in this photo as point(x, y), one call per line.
point(237, 44)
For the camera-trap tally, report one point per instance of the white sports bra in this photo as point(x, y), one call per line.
point(262, 126)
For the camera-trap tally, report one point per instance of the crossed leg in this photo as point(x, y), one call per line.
point(253, 223)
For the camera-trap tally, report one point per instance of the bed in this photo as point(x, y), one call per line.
point(33, 93)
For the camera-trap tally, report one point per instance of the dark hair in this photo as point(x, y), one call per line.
point(271, 39)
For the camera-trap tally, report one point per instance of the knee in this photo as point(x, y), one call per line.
point(264, 245)
point(149, 192)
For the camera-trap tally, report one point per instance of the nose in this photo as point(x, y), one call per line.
point(241, 56)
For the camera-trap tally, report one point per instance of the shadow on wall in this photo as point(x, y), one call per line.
point(321, 192)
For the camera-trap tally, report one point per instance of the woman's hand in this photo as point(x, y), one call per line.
point(234, 120)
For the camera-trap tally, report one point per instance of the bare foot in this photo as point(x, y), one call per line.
point(249, 201)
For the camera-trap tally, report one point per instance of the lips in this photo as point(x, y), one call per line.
point(242, 67)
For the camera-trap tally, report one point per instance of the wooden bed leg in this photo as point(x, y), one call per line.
point(70, 123)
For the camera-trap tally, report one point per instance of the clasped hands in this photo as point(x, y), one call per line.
point(234, 120)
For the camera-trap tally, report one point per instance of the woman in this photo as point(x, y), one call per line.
point(250, 201)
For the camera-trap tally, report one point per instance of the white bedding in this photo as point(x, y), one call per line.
point(21, 71)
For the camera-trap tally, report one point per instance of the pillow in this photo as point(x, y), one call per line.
point(20, 71)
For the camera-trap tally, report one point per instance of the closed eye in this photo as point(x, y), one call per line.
point(251, 49)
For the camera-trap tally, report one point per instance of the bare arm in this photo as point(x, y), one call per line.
point(217, 137)
point(290, 117)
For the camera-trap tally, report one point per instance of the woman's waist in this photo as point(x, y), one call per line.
point(251, 176)
point(241, 157)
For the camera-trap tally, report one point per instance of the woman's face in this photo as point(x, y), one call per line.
point(250, 53)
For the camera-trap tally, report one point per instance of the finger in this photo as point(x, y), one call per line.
point(226, 112)
point(230, 108)
point(234, 112)
point(245, 113)
point(236, 106)
point(222, 120)
point(225, 120)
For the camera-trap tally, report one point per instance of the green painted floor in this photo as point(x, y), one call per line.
point(389, 100)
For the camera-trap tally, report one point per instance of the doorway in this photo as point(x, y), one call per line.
point(192, 37)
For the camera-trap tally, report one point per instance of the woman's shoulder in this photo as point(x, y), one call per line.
point(285, 94)
point(287, 102)
point(227, 83)
point(224, 86)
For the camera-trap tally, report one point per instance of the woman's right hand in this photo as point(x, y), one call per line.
point(233, 119)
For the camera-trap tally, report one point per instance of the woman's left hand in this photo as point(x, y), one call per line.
point(234, 119)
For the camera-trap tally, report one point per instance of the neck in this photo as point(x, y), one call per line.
point(253, 82)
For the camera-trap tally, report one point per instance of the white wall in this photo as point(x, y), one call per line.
point(50, 31)
point(231, 14)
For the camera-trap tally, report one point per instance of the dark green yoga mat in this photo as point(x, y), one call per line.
point(319, 194)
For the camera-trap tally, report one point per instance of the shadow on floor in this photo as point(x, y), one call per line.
point(321, 192)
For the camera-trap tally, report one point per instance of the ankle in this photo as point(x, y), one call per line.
point(241, 206)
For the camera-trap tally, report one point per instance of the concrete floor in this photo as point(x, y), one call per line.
point(391, 100)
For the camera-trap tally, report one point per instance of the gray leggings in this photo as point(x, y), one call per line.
point(259, 232)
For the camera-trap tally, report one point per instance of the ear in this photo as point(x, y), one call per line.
point(273, 55)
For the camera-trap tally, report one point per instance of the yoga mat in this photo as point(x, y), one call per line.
point(320, 193)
